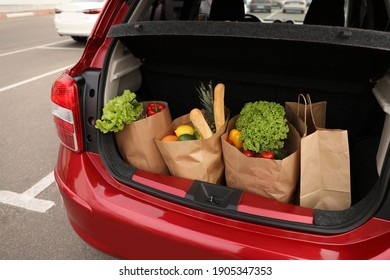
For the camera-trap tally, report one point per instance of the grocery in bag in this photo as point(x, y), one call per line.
point(196, 152)
point(260, 170)
point(135, 125)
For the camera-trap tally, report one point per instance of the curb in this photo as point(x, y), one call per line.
point(25, 14)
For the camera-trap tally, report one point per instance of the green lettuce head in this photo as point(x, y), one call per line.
point(263, 126)
point(119, 111)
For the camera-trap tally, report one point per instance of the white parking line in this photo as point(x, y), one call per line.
point(27, 199)
point(60, 48)
point(14, 15)
point(34, 78)
point(271, 15)
point(33, 48)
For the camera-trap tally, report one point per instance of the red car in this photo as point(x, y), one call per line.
point(164, 50)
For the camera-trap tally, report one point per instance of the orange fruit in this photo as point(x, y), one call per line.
point(169, 138)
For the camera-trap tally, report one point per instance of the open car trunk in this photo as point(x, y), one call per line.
point(256, 61)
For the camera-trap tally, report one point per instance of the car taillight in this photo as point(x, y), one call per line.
point(66, 112)
point(92, 11)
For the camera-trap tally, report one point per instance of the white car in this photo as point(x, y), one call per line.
point(77, 18)
point(294, 6)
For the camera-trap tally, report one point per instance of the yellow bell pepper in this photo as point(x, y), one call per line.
point(234, 138)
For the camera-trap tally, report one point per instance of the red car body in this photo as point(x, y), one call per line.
point(131, 224)
point(120, 221)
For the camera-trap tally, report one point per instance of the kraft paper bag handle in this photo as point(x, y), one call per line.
point(294, 112)
point(305, 102)
point(318, 115)
point(308, 99)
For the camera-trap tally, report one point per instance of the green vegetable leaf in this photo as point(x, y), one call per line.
point(119, 111)
point(263, 126)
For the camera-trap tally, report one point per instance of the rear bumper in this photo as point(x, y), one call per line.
point(130, 224)
point(294, 9)
point(255, 7)
point(82, 29)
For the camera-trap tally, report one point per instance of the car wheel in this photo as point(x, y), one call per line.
point(79, 38)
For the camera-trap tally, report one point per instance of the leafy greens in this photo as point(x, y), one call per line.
point(119, 111)
point(263, 126)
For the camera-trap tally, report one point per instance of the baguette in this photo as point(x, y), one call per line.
point(200, 123)
point(219, 106)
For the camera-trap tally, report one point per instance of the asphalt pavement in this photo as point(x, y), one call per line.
point(19, 8)
point(33, 221)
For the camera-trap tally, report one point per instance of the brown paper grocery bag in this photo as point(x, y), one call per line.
point(136, 141)
point(193, 159)
point(325, 168)
point(276, 179)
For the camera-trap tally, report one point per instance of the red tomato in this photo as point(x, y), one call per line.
point(267, 155)
point(248, 153)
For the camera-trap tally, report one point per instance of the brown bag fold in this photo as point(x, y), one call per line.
point(193, 159)
point(275, 179)
point(136, 141)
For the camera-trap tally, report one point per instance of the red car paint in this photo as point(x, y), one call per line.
point(129, 224)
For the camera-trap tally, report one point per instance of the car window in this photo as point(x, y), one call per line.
point(267, 11)
point(291, 11)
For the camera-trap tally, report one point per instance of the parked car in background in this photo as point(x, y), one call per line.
point(278, 3)
point(294, 6)
point(162, 51)
point(77, 18)
point(260, 5)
